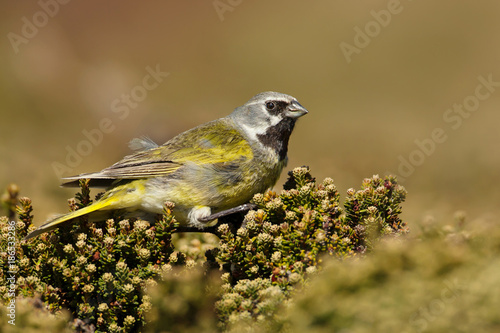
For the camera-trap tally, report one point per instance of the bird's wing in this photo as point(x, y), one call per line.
point(215, 143)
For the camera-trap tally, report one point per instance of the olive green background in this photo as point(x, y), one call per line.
point(365, 114)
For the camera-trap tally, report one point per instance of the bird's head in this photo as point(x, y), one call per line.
point(267, 110)
point(269, 117)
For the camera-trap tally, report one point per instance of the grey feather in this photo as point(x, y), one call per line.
point(142, 143)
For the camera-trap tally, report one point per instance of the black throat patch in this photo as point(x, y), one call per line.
point(276, 137)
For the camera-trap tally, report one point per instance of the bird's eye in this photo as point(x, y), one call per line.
point(270, 105)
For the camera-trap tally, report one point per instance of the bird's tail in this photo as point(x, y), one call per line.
point(124, 196)
point(56, 222)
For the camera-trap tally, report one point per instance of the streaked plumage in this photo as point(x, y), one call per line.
point(205, 170)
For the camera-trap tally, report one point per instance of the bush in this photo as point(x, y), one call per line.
point(98, 271)
point(283, 242)
point(445, 280)
point(109, 275)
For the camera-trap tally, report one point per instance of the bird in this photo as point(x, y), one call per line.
point(205, 171)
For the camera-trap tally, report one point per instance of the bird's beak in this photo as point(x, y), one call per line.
point(295, 110)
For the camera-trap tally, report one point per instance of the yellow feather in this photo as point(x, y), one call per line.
point(120, 197)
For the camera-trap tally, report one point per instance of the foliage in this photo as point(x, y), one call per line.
point(283, 242)
point(446, 280)
point(98, 271)
point(183, 301)
point(115, 275)
point(31, 316)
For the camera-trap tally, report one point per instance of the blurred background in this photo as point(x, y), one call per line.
point(376, 77)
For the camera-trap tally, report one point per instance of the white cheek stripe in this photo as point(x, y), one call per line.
point(274, 120)
point(254, 131)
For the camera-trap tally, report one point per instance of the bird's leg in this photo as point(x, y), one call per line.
point(233, 217)
point(237, 209)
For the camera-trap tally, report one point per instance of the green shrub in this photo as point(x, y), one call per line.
point(445, 280)
point(98, 271)
point(183, 301)
point(113, 275)
point(283, 242)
